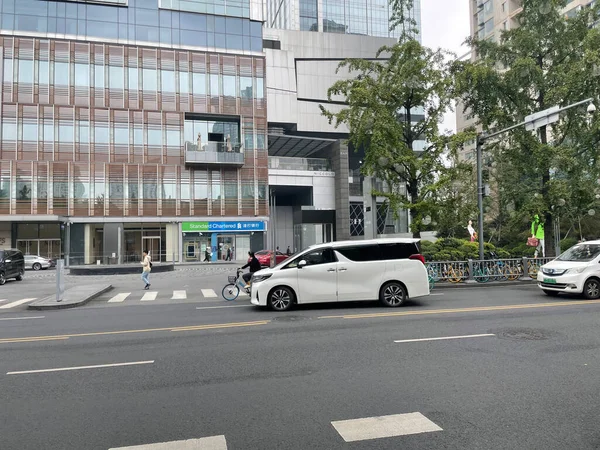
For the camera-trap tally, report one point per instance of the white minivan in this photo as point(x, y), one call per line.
point(576, 271)
point(389, 270)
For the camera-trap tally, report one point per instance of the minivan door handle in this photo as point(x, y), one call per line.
point(342, 269)
point(330, 270)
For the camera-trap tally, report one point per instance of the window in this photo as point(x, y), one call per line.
point(9, 131)
point(361, 253)
point(101, 134)
point(25, 71)
point(99, 77)
point(116, 75)
point(167, 81)
point(121, 134)
point(44, 76)
point(133, 79)
point(260, 91)
point(229, 86)
point(245, 87)
point(199, 84)
point(316, 257)
point(155, 137)
point(214, 85)
point(150, 79)
point(173, 138)
point(84, 132)
point(24, 189)
point(184, 82)
point(30, 131)
point(8, 70)
point(82, 75)
point(398, 251)
point(504, 7)
point(65, 132)
point(61, 73)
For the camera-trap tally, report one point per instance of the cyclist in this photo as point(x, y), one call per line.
point(254, 265)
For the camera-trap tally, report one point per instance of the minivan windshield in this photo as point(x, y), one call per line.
point(581, 252)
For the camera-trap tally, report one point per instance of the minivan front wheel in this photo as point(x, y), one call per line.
point(280, 299)
point(2, 279)
point(393, 294)
point(591, 289)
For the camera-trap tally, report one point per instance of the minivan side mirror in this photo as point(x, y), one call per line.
point(301, 264)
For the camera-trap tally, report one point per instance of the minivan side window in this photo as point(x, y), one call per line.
point(400, 250)
point(361, 253)
point(316, 257)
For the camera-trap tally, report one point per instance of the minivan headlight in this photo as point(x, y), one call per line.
point(576, 270)
point(262, 277)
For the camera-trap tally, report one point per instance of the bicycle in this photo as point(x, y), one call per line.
point(231, 291)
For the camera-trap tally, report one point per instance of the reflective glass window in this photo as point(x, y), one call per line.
point(260, 90)
point(133, 79)
point(150, 79)
point(138, 135)
point(82, 75)
point(99, 77)
point(184, 82)
point(199, 84)
point(121, 134)
point(48, 130)
point(8, 70)
point(25, 71)
point(101, 134)
point(44, 72)
point(167, 80)
point(214, 85)
point(84, 132)
point(229, 86)
point(154, 136)
point(61, 73)
point(65, 132)
point(9, 131)
point(173, 138)
point(116, 75)
point(30, 131)
point(246, 87)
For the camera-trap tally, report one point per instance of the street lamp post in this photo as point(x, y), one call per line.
point(531, 122)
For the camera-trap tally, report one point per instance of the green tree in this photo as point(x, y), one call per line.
point(547, 60)
point(393, 102)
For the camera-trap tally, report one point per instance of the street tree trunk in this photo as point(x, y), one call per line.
point(414, 214)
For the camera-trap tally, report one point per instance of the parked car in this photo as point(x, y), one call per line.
point(12, 265)
point(37, 262)
point(576, 271)
point(264, 257)
point(388, 270)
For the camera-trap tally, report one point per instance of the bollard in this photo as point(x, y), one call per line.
point(471, 278)
point(60, 280)
point(525, 263)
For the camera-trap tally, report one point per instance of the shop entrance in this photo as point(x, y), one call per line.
point(47, 248)
point(152, 245)
point(194, 248)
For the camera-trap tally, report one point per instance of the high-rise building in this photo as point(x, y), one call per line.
point(131, 125)
point(317, 192)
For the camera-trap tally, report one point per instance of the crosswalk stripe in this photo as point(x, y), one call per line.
point(207, 443)
point(17, 303)
point(179, 295)
point(208, 293)
point(384, 427)
point(119, 297)
point(149, 296)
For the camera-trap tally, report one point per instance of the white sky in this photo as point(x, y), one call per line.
point(445, 24)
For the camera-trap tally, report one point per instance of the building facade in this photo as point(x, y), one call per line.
point(317, 192)
point(131, 125)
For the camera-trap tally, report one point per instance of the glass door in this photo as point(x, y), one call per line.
point(152, 246)
point(225, 246)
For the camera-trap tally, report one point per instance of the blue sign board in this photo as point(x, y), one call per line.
point(223, 226)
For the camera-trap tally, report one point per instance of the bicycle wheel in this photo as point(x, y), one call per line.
point(512, 273)
point(230, 292)
point(481, 275)
point(533, 270)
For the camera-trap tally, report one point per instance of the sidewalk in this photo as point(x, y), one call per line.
point(448, 285)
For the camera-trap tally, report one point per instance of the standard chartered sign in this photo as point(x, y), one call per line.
point(222, 226)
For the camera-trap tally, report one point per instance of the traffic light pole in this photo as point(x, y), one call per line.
point(480, 188)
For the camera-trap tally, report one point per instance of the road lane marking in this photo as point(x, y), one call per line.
point(219, 307)
point(66, 369)
point(17, 303)
point(179, 295)
point(207, 443)
point(149, 296)
point(147, 330)
point(444, 338)
point(119, 297)
point(384, 427)
point(23, 318)
point(209, 293)
point(459, 310)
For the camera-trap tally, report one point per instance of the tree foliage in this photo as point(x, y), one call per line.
point(395, 104)
point(547, 60)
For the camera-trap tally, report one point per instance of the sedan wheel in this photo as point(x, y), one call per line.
point(37, 266)
point(591, 289)
point(281, 299)
point(393, 294)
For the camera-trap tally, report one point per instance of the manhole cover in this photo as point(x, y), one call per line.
point(289, 319)
point(522, 334)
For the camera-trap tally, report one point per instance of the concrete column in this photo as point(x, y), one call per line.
point(338, 155)
point(370, 205)
point(172, 241)
point(88, 248)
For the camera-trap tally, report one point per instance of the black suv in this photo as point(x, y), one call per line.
point(12, 265)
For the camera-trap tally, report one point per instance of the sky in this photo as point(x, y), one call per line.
point(445, 24)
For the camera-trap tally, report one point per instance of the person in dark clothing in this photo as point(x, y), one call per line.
point(254, 265)
point(288, 252)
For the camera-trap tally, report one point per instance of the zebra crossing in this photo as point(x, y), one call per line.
point(151, 296)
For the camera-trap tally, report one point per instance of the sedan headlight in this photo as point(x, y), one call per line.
point(259, 278)
point(576, 270)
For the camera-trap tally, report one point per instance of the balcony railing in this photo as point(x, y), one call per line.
point(306, 164)
point(214, 153)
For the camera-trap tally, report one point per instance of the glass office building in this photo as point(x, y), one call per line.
point(124, 121)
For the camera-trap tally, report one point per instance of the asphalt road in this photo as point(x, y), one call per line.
point(255, 379)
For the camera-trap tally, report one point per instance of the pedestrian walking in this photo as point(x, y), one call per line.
point(228, 257)
point(207, 254)
point(288, 252)
point(146, 268)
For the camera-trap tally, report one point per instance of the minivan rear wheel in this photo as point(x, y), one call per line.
point(392, 294)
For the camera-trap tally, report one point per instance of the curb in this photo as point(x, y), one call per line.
point(442, 285)
point(39, 306)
